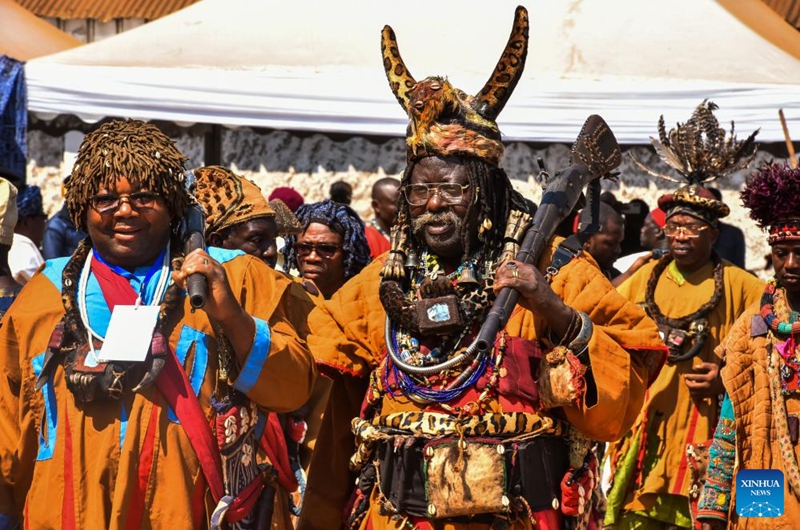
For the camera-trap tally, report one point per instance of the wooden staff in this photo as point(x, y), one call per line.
point(789, 145)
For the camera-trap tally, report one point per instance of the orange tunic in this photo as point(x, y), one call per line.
point(70, 465)
point(348, 335)
point(673, 418)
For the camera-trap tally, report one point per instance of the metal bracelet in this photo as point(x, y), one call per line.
point(581, 342)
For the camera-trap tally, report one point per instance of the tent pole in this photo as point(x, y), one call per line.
point(212, 154)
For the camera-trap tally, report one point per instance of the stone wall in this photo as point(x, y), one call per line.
point(311, 162)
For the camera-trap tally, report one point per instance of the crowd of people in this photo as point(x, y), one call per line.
point(182, 349)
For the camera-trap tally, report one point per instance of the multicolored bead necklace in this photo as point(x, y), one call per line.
point(785, 333)
point(768, 312)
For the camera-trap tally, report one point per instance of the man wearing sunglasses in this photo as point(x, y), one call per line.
point(436, 431)
point(121, 404)
point(694, 296)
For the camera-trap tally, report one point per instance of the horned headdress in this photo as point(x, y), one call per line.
point(445, 120)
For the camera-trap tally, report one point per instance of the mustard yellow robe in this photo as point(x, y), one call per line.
point(673, 418)
point(348, 335)
point(37, 428)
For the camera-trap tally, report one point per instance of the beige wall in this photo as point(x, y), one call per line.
point(311, 162)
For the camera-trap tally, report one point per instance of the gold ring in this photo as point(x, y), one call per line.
point(205, 261)
point(515, 272)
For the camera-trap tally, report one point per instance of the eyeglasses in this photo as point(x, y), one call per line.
point(138, 201)
point(672, 230)
point(419, 194)
point(323, 250)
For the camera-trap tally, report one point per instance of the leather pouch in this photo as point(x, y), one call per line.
point(465, 477)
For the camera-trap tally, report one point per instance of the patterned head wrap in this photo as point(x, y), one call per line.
point(287, 222)
point(8, 212)
point(341, 219)
point(132, 149)
point(772, 194)
point(228, 199)
point(29, 202)
point(700, 151)
point(445, 120)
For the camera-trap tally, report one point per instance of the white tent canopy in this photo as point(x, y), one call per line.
point(316, 65)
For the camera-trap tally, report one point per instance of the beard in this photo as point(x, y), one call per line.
point(448, 242)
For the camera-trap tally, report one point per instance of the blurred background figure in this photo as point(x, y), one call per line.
point(634, 213)
point(730, 244)
point(385, 193)
point(332, 247)
point(8, 220)
point(653, 241)
point(341, 192)
point(286, 224)
point(604, 246)
point(61, 237)
point(25, 257)
point(289, 196)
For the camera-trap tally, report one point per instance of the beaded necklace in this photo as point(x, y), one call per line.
point(772, 301)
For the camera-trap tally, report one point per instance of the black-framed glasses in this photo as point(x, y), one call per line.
point(323, 250)
point(419, 194)
point(140, 200)
point(672, 230)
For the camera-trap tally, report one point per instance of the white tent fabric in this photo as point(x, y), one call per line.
point(316, 65)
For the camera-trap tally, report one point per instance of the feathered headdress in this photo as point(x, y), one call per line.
point(701, 152)
point(772, 195)
point(447, 121)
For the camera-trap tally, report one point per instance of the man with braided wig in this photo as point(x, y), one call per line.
point(121, 406)
point(759, 418)
point(448, 438)
point(695, 297)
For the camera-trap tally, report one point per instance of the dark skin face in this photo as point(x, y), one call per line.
point(651, 236)
point(326, 273)
point(605, 246)
point(691, 253)
point(443, 236)
point(384, 204)
point(786, 261)
point(126, 237)
point(254, 236)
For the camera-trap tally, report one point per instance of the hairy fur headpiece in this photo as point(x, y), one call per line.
point(132, 149)
point(228, 199)
point(447, 121)
point(701, 152)
point(772, 194)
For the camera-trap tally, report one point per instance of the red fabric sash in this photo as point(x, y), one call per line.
point(174, 385)
point(116, 289)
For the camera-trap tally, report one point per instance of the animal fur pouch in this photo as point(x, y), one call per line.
point(561, 382)
point(465, 477)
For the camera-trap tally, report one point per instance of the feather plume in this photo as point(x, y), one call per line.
point(700, 150)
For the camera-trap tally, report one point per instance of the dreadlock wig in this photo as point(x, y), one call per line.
point(772, 194)
point(341, 219)
point(701, 152)
point(132, 149)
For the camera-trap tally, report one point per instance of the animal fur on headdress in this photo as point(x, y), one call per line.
point(228, 199)
point(447, 121)
point(700, 151)
point(772, 195)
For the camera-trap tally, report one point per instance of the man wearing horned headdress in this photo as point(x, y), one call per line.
point(694, 296)
point(447, 437)
point(121, 406)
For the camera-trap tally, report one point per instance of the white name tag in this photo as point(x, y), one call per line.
point(130, 332)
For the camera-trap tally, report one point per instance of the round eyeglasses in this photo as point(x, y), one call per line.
point(419, 194)
point(138, 201)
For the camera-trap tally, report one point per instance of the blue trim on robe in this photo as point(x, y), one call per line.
point(197, 372)
point(47, 434)
point(256, 358)
point(123, 425)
